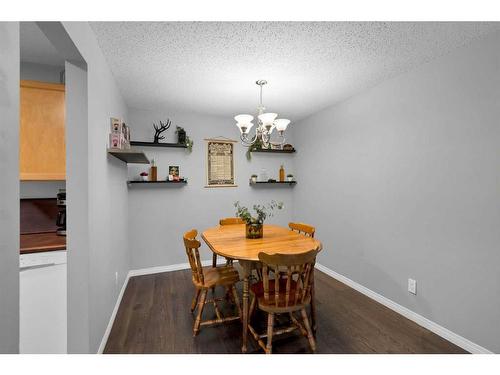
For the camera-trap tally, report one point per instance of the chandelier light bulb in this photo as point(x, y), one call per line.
point(244, 128)
point(244, 123)
point(281, 124)
point(244, 119)
point(267, 118)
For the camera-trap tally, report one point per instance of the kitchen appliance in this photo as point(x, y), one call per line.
point(42, 303)
point(61, 214)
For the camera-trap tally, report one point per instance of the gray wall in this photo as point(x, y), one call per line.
point(107, 192)
point(77, 240)
point(41, 72)
point(40, 189)
point(159, 215)
point(403, 181)
point(9, 187)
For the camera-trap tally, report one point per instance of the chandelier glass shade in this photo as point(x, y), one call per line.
point(266, 123)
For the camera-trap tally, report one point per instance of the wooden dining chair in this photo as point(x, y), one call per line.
point(288, 291)
point(226, 221)
point(234, 221)
point(302, 228)
point(308, 230)
point(231, 221)
point(205, 279)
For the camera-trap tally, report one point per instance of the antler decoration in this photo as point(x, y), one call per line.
point(160, 129)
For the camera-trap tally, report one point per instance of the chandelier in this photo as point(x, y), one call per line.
point(266, 123)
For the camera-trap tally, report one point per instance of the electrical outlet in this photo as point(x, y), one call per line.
point(412, 286)
point(116, 278)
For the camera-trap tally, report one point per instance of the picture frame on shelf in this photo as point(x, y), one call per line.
point(173, 173)
point(174, 170)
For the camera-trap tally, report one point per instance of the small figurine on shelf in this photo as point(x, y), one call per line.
point(160, 129)
point(253, 178)
point(144, 176)
point(116, 136)
point(126, 136)
point(289, 177)
point(119, 136)
point(263, 175)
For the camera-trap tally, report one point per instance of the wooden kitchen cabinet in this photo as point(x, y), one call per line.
point(42, 145)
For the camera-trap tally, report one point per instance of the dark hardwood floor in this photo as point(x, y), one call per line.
point(154, 317)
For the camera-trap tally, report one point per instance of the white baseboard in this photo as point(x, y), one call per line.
point(413, 316)
point(113, 316)
point(170, 268)
point(139, 272)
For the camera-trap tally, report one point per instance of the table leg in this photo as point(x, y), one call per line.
point(247, 269)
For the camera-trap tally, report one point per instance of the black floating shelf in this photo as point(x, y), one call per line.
point(271, 151)
point(263, 183)
point(129, 156)
point(152, 144)
point(163, 182)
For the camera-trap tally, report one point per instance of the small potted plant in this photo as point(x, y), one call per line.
point(255, 146)
point(189, 144)
point(181, 135)
point(253, 178)
point(255, 225)
point(144, 176)
point(183, 138)
point(289, 177)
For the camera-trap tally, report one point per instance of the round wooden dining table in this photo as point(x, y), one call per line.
point(230, 242)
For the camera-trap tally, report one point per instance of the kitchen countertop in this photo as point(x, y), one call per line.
point(38, 242)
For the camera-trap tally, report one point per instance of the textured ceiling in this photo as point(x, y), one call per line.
point(211, 67)
point(35, 47)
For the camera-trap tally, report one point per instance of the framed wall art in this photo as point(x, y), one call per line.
point(220, 163)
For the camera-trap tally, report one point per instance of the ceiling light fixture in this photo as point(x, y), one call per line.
point(266, 123)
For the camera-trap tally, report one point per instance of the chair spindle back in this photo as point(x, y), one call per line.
point(305, 229)
point(295, 271)
point(231, 221)
point(192, 245)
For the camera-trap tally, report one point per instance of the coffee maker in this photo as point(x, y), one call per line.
point(61, 215)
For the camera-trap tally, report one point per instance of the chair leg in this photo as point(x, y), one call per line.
point(259, 274)
point(228, 295)
point(270, 326)
point(201, 305)
point(252, 307)
point(237, 302)
point(310, 336)
point(195, 299)
point(214, 264)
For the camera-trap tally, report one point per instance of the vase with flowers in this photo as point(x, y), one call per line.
point(254, 225)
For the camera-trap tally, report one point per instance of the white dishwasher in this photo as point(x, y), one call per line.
point(42, 315)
